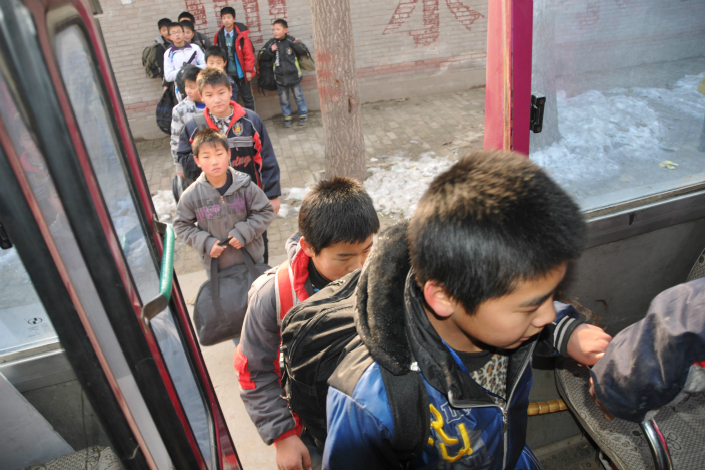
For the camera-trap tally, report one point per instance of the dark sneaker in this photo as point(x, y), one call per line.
point(303, 119)
point(287, 121)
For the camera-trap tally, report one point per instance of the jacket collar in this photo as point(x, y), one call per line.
point(298, 260)
point(239, 180)
point(238, 112)
point(173, 47)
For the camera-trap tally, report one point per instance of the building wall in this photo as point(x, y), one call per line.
point(402, 47)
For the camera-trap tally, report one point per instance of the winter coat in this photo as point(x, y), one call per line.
point(651, 363)
point(286, 63)
point(180, 115)
point(242, 45)
point(251, 150)
point(204, 217)
point(256, 359)
point(174, 58)
point(201, 40)
point(467, 427)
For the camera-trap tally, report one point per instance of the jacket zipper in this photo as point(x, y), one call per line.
point(505, 409)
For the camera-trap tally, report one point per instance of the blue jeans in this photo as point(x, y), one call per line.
point(298, 97)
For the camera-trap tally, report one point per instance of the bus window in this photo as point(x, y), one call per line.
point(89, 106)
point(24, 324)
point(624, 117)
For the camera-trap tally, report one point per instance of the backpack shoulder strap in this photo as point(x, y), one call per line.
point(408, 400)
point(284, 291)
point(200, 120)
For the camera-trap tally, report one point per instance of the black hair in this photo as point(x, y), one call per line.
point(190, 73)
point(187, 24)
point(208, 136)
point(216, 51)
point(175, 25)
point(228, 11)
point(187, 15)
point(281, 22)
point(212, 76)
point(337, 210)
point(163, 22)
point(489, 222)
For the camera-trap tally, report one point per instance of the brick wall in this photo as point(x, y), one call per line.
point(402, 47)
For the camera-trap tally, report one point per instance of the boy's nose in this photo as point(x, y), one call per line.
point(544, 315)
point(357, 264)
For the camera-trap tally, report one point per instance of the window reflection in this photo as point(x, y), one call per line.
point(91, 112)
point(624, 117)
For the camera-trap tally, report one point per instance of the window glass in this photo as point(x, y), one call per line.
point(81, 81)
point(24, 324)
point(625, 106)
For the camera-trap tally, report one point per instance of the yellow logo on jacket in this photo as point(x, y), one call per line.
point(446, 440)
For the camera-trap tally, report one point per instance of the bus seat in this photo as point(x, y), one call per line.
point(92, 458)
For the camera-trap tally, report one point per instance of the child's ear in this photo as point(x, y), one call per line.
point(437, 298)
point(308, 249)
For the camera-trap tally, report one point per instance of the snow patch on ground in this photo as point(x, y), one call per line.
point(599, 128)
point(165, 206)
point(395, 186)
point(398, 184)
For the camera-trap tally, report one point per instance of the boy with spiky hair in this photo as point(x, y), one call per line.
point(337, 221)
point(222, 204)
point(461, 298)
point(251, 150)
point(215, 57)
point(234, 39)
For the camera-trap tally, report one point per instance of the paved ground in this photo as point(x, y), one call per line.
point(444, 123)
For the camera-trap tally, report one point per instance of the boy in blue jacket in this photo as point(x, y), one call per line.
point(463, 296)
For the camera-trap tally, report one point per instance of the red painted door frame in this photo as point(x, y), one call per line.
point(508, 79)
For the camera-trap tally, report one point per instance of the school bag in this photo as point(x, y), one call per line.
point(164, 108)
point(316, 337)
point(150, 61)
point(306, 62)
point(265, 73)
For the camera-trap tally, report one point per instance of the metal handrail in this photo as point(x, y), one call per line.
point(166, 279)
point(657, 445)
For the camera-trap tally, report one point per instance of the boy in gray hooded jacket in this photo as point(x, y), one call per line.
point(221, 204)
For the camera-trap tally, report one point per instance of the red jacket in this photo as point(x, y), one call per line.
point(243, 47)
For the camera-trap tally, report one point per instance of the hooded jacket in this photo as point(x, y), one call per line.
point(286, 68)
point(242, 45)
point(181, 114)
point(251, 150)
point(651, 363)
point(204, 217)
point(467, 428)
point(256, 359)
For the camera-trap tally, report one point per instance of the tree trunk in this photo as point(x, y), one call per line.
point(337, 89)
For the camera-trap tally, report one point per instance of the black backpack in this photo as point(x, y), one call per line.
point(164, 108)
point(316, 336)
point(265, 72)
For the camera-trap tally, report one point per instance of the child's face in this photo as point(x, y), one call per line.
point(228, 21)
point(506, 322)
point(215, 61)
point(188, 34)
point(336, 261)
point(279, 31)
point(164, 31)
point(176, 35)
point(213, 159)
point(217, 99)
point(191, 91)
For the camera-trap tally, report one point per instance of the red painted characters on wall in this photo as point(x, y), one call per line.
point(431, 20)
point(277, 9)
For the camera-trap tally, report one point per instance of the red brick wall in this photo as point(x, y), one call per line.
point(395, 40)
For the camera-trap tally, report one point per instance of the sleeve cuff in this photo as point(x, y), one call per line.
point(209, 244)
point(295, 431)
point(561, 334)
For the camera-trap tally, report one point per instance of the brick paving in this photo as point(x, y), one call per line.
point(448, 124)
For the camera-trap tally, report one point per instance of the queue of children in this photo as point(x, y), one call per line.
point(460, 298)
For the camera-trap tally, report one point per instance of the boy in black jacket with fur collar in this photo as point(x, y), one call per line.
point(284, 50)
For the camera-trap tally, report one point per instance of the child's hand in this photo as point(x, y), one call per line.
point(235, 243)
point(274, 47)
point(216, 250)
point(587, 344)
point(275, 204)
point(248, 76)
